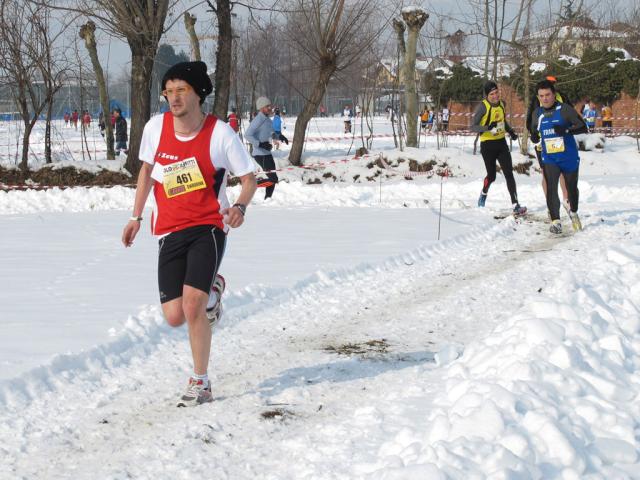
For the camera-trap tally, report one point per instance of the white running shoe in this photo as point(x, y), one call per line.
point(556, 227)
point(215, 312)
point(195, 394)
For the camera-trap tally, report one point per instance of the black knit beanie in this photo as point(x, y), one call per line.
point(490, 85)
point(194, 73)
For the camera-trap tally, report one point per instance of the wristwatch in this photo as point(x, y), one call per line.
point(242, 207)
point(135, 219)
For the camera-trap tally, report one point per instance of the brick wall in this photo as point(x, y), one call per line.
point(625, 106)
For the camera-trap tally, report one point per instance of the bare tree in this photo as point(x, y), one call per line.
point(88, 34)
point(27, 60)
point(190, 26)
point(415, 18)
point(331, 34)
point(141, 23)
point(222, 76)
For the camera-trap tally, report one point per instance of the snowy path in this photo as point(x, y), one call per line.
point(382, 413)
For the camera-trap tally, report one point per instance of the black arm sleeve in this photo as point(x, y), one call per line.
point(571, 116)
point(533, 106)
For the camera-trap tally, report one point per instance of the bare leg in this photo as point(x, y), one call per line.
point(194, 305)
point(191, 308)
point(563, 186)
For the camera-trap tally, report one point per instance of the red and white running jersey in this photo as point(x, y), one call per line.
point(212, 153)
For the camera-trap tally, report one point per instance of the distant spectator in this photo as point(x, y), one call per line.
point(607, 119)
point(86, 119)
point(590, 117)
point(234, 122)
point(323, 111)
point(101, 125)
point(67, 118)
point(424, 118)
point(445, 119)
point(75, 116)
point(347, 116)
point(277, 128)
point(121, 132)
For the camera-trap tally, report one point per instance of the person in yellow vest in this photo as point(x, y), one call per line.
point(489, 120)
point(607, 119)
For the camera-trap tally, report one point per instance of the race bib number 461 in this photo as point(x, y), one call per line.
point(182, 177)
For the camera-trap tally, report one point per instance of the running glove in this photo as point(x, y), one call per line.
point(265, 146)
point(535, 137)
point(560, 130)
point(513, 135)
point(284, 139)
point(492, 125)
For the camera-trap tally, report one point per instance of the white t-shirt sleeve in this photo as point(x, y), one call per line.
point(228, 152)
point(151, 139)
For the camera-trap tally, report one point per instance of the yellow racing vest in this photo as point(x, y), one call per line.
point(493, 114)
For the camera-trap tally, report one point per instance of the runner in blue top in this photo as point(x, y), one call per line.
point(557, 123)
point(591, 117)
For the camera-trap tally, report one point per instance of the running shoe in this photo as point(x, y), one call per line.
point(556, 227)
point(195, 394)
point(214, 313)
point(482, 199)
point(575, 221)
point(518, 210)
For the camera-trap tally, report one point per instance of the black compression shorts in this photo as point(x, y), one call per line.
point(189, 257)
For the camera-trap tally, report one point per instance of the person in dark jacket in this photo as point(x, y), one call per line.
point(556, 124)
point(535, 138)
point(121, 132)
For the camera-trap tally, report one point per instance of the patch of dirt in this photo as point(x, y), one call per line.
point(523, 168)
point(415, 166)
point(277, 413)
point(64, 177)
point(365, 348)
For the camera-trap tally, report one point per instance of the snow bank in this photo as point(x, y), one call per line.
point(554, 392)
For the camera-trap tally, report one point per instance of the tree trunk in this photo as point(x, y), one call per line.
point(524, 140)
point(141, 68)
point(222, 80)
point(24, 163)
point(327, 69)
point(190, 26)
point(47, 132)
point(87, 33)
point(414, 19)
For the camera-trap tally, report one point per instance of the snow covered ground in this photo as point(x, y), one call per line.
point(354, 344)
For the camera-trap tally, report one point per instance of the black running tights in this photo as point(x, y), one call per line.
point(498, 150)
point(552, 174)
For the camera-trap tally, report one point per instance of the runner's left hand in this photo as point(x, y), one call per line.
point(232, 216)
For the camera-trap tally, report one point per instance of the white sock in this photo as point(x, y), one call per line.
point(213, 299)
point(204, 378)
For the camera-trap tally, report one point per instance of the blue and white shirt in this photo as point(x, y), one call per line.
point(561, 150)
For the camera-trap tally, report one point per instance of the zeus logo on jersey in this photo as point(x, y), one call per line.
point(167, 156)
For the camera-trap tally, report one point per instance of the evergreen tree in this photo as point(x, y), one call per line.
point(464, 85)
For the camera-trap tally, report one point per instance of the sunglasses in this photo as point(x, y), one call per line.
point(179, 91)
